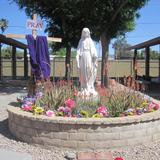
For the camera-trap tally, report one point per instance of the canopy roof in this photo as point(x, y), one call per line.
point(145, 44)
point(12, 42)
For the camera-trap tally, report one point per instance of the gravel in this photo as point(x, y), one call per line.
point(7, 141)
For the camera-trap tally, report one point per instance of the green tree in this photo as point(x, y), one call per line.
point(105, 18)
point(7, 52)
point(153, 54)
point(62, 53)
point(113, 17)
point(3, 24)
point(120, 46)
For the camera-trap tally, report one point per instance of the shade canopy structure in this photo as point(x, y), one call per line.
point(15, 44)
point(12, 42)
point(146, 45)
point(149, 43)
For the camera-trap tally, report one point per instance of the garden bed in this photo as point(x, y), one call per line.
point(84, 133)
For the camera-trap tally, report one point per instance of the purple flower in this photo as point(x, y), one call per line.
point(39, 95)
point(61, 109)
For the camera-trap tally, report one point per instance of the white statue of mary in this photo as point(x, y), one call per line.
point(87, 63)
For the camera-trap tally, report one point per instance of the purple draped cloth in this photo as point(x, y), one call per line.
point(39, 56)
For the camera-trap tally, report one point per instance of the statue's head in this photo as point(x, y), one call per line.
point(85, 33)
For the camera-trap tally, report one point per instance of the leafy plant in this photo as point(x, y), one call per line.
point(56, 97)
point(120, 101)
point(89, 106)
point(64, 100)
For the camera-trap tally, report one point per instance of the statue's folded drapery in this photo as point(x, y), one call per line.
point(87, 62)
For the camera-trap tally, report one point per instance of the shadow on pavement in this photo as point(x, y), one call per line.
point(4, 130)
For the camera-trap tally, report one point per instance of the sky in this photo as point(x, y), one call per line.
point(147, 26)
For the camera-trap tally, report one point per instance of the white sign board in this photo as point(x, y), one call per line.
point(31, 24)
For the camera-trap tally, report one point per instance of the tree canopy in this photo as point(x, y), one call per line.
point(3, 24)
point(105, 18)
point(120, 46)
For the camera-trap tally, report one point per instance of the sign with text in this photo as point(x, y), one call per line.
point(31, 24)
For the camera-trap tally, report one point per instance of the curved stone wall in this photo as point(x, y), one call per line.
point(84, 133)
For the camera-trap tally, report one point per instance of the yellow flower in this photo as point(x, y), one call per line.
point(85, 114)
point(60, 114)
point(33, 108)
point(144, 104)
point(38, 110)
point(97, 116)
point(130, 113)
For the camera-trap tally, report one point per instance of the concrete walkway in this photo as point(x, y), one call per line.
point(8, 95)
point(11, 155)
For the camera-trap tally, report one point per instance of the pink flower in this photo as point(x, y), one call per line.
point(61, 109)
point(50, 113)
point(118, 158)
point(157, 107)
point(153, 106)
point(70, 103)
point(102, 110)
point(26, 108)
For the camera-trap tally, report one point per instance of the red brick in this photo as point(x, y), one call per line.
point(86, 156)
point(103, 156)
point(94, 156)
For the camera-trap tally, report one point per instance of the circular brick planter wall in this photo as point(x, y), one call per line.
point(81, 133)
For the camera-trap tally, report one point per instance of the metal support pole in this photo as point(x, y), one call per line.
point(134, 64)
point(0, 63)
point(147, 59)
point(25, 64)
point(14, 67)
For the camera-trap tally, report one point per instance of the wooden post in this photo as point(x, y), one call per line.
point(25, 64)
point(147, 59)
point(0, 63)
point(159, 67)
point(134, 64)
point(14, 62)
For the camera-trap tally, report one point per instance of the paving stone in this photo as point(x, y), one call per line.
point(94, 156)
point(11, 155)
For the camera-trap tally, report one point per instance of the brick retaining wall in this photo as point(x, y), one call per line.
point(84, 134)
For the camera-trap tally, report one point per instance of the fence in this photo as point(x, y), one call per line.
point(116, 68)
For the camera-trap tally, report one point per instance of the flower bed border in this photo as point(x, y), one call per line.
point(84, 133)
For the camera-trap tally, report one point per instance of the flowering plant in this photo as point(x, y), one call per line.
point(102, 110)
point(118, 158)
point(50, 113)
point(153, 106)
point(70, 103)
point(64, 111)
point(65, 101)
point(26, 107)
point(38, 110)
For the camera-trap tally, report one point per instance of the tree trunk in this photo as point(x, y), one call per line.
point(104, 66)
point(67, 63)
